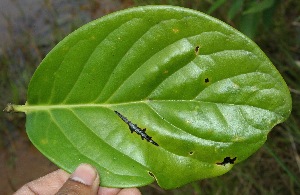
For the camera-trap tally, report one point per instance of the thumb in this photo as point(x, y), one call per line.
point(84, 180)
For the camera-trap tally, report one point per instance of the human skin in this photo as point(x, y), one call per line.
point(84, 180)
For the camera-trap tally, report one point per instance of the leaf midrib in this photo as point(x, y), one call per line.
point(31, 108)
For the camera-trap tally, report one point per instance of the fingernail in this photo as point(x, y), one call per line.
point(85, 174)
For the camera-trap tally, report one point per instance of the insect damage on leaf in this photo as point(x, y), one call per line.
point(227, 160)
point(135, 128)
point(197, 50)
point(173, 49)
point(151, 174)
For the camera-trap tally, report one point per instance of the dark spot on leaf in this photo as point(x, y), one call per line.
point(151, 174)
point(191, 152)
point(206, 80)
point(138, 130)
point(227, 160)
point(197, 50)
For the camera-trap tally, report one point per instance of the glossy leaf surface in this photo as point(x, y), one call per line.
point(202, 90)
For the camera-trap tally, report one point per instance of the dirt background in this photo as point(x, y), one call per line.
point(22, 163)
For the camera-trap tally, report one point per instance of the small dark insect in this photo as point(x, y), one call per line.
point(227, 160)
point(135, 128)
point(206, 80)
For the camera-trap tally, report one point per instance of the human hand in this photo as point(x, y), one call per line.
point(84, 180)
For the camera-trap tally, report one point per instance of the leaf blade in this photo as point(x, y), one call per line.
point(201, 89)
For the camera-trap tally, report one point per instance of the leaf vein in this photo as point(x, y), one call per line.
point(103, 140)
point(134, 71)
point(117, 65)
point(74, 146)
point(180, 129)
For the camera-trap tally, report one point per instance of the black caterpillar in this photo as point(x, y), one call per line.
point(227, 160)
point(135, 128)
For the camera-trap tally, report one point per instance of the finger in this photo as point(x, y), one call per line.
point(118, 191)
point(108, 191)
point(84, 180)
point(48, 184)
point(131, 191)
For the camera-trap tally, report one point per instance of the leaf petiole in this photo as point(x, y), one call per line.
point(15, 108)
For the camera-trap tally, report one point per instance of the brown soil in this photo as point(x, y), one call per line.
point(20, 163)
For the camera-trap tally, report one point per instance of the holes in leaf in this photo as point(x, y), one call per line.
point(206, 80)
point(227, 160)
point(151, 174)
point(197, 50)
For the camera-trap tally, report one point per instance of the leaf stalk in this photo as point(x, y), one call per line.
point(14, 108)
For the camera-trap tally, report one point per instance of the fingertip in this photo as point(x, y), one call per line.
point(85, 174)
point(108, 191)
point(84, 180)
point(131, 191)
point(118, 191)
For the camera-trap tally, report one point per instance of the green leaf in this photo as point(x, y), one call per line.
point(202, 90)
